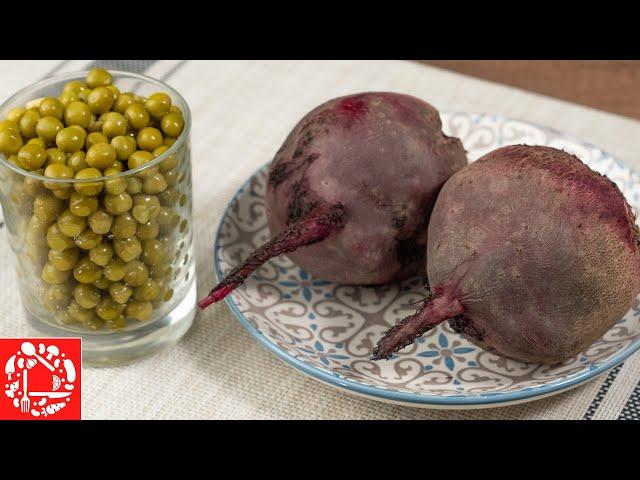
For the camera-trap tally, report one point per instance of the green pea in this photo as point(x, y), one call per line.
point(46, 207)
point(120, 292)
point(78, 113)
point(100, 222)
point(117, 165)
point(51, 107)
point(117, 323)
point(134, 185)
point(124, 226)
point(31, 157)
point(168, 295)
point(48, 128)
point(153, 252)
point(88, 189)
point(115, 91)
point(139, 158)
point(57, 297)
point(114, 125)
point(71, 139)
point(82, 206)
point(140, 213)
point(136, 273)
point(139, 310)
point(86, 271)
point(80, 314)
point(168, 220)
point(100, 100)
point(53, 276)
point(118, 204)
point(101, 155)
point(37, 141)
point(98, 77)
point(28, 124)
point(148, 231)
point(86, 296)
point(15, 114)
point(35, 234)
point(68, 98)
point(58, 171)
point(94, 138)
point(101, 255)
point(9, 125)
point(172, 124)
point(103, 283)
point(75, 86)
point(115, 186)
point(169, 163)
point(123, 102)
point(93, 323)
point(124, 146)
point(62, 192)
point(158, 104)
point(55, 156)
point(154, 184)
point(137, 115)
point(88, 239)
point(148, 291)
point(115, 270)
point(108, 309)
point(172, 177)
point(151, 202)
point(64, 260)
point(127, 249)
point(57, 240)
point(149, 139)
point(70, 224)
point(10, 142)
point(159, 151)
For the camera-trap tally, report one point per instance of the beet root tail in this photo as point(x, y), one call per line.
point(312, 229)
point(435, 310)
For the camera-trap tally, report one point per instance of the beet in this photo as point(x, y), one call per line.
point(531, 255)
point(354, 184)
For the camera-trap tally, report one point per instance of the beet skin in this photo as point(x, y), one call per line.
point(531, 255)
point(354, 184)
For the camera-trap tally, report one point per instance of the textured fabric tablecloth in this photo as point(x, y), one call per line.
point(242, 111)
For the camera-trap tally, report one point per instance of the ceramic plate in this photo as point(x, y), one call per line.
point(328, 330)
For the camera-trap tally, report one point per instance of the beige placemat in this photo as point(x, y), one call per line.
point(242, 111)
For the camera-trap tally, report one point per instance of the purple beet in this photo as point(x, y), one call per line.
point(531, 255)
point(350, 191)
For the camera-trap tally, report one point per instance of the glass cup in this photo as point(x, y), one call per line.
point(129, 290)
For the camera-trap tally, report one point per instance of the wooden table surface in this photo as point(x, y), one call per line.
point(611, 85)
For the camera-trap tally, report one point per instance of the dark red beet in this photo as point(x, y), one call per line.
point(368, 168)
point(532, 255)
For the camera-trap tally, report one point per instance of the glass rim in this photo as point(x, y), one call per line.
point(81, 74)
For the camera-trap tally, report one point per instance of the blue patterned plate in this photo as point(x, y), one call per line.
point(328, 331)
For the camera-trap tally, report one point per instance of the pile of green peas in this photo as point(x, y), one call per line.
point(108, 250)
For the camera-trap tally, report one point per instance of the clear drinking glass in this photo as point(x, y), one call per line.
point(162, 244)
